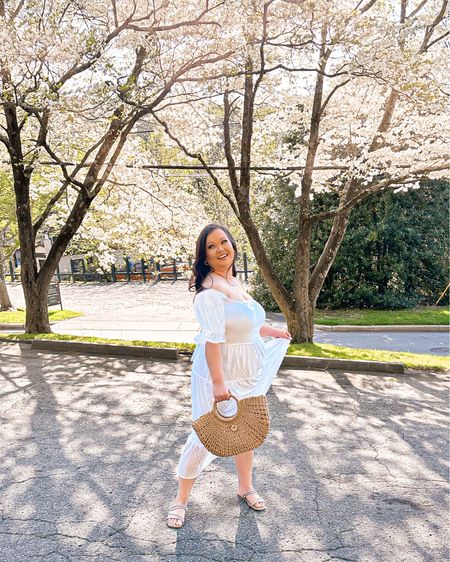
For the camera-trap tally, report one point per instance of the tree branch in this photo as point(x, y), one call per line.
point(4, 139)
point(367, 7)
point(430, 28)
point(227, 146)
point(417, 10)
point(195, 21)
point(443, 36)
point(374, 188)
point(246, 138)
point(268, 70)
point(407, 178)
point(200, 158)
point(330, 95)
point(40, 221)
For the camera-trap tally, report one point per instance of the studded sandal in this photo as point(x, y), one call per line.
point(250, 504)
point(173, 515)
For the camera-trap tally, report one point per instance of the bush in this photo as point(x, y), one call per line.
point(394, 253)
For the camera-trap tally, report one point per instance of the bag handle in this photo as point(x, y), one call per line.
point(226, 418)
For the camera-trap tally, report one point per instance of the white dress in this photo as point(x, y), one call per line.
point(250, 364)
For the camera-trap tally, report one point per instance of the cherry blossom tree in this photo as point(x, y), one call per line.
point(142, 213)
point(75, 80)
point(8, 236)
point(352, 94)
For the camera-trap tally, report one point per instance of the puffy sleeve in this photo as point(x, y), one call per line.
point(210, 312)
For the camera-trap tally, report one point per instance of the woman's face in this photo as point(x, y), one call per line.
point(219, 251)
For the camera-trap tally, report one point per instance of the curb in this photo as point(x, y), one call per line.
point(174, 353)
point(342, 364)
point(106, 349)
point(388, 328)
point(22, 326)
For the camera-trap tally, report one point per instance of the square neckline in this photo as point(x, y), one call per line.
point(230, 299)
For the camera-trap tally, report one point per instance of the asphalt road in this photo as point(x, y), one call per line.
point(435, 343)
point(355, 466)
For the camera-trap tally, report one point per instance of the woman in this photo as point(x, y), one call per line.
point(230, 356)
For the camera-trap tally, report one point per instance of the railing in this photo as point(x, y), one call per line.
point(140, 271)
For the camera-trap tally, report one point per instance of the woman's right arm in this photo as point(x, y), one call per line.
point(209, 309)
point(214, 360)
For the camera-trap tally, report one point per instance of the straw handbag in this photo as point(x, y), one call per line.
point(226, 436)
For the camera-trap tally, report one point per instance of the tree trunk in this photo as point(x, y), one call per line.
point(36, 284)
point(300, 323)
point(328, 254)
point(5, 302)
point(36, 321)
point(299, 314)
point(303, 326)
point(35, 292)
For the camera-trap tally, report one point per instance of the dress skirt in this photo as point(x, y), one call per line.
point(250, 364)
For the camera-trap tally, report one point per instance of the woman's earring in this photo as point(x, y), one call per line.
point(205, 262)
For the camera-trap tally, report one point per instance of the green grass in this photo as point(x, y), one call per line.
point(18, 316)
point(94, 339)
point(411, 360)
point(426, 315)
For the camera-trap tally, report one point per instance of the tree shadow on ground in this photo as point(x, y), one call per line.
point(352, 469)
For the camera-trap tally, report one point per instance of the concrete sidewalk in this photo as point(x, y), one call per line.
point(354, 468)
point(435, 343)
point(183, 331)
point(163, 312)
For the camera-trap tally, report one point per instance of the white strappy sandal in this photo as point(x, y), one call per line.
point(252, 504)
point(173, 515)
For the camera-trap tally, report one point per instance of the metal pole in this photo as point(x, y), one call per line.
point(245, 267)
point(72, 271)
point(143, 270)
point(59, 294)
point(113, 273)
point(128, 266)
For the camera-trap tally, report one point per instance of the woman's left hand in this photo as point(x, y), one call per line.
point(282, 334)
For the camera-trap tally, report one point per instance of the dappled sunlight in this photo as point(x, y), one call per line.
point(95, 440)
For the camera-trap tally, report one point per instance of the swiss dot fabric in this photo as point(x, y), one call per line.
point(210, 313)
point(249, 363)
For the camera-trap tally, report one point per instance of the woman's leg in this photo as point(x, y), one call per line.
point(244, 465)
point(185, 486)
point(193, 459)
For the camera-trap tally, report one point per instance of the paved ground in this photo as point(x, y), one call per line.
point(355, 466)
point(163, 312)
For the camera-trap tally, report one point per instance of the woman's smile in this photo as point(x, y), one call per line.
point(219, 249)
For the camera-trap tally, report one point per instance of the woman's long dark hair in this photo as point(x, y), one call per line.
point(199, 269)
